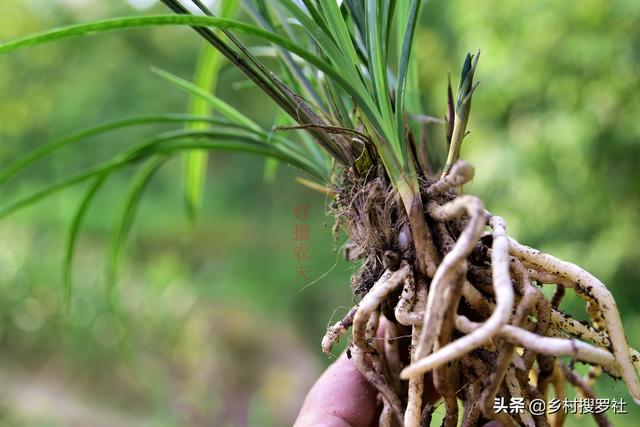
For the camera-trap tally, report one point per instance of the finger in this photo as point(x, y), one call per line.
point(341, 397)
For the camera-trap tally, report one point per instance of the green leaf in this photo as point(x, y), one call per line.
point(339, 29)
point(205, 77)
point(223, 140)
point(195, 162)
point(36, 154)
point(462, 110)
point(239, 146)
point(344, 75)
point(72, 237)
point(356, 9)
point(378, 70)
point(317, 160)
point(270, 170)
point(387, 15)
point(403, 69)
point(261, 16)
point(350, 78)
point(165, 20)
point(225, 110)
point(318, 19)
point(125, 219)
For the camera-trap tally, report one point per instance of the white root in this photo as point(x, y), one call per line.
point(503, 290)
point(461, 173)
point(591, 286)
point(358, 357)
point(507, 354)
point(386, 416)
point(387, 283)
point(371, 331)
point(410, 308)
point(514, 389)
point(380, 365)
point(448, 270)
point(404, 308)
point(560, 393)
point(561, 325)
point(547, 345)
point(547, 277)
point(476, 300)
point(336, 331)
point(598, 325)
point(409, 312)
point(392, 353)
point(495, 379)
point(451, 411)
point(413, 412)
point(507, 342)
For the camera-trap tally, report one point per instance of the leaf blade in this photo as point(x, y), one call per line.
point(205, 77)
point(72, 237)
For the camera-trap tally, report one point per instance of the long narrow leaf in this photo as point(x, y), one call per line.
point(238, 146)
point(403, 68)
point(222, 107)
point(294, 106)
point(349, 75)
point(225, 141)
point(34, 155)
point(290, 63)
point(339, 29)
point(125, 219)
point(205, 77)
point(378, 70)
point(195, 162)
point(387, 15)
point(356, 9)
point(72, 237)
point(317, 160)
point(317, 16)
point(248, 67)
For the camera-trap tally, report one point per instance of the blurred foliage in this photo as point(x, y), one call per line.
point(214, 328)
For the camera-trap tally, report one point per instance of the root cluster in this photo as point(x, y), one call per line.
point(480, 328)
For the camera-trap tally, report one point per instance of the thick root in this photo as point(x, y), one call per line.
point(478, 318)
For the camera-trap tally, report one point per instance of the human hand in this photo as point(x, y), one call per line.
point(342, 397)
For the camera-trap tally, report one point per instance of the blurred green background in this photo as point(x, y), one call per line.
point(216, 328)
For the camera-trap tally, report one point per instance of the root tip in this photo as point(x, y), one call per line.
point(326, 345)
